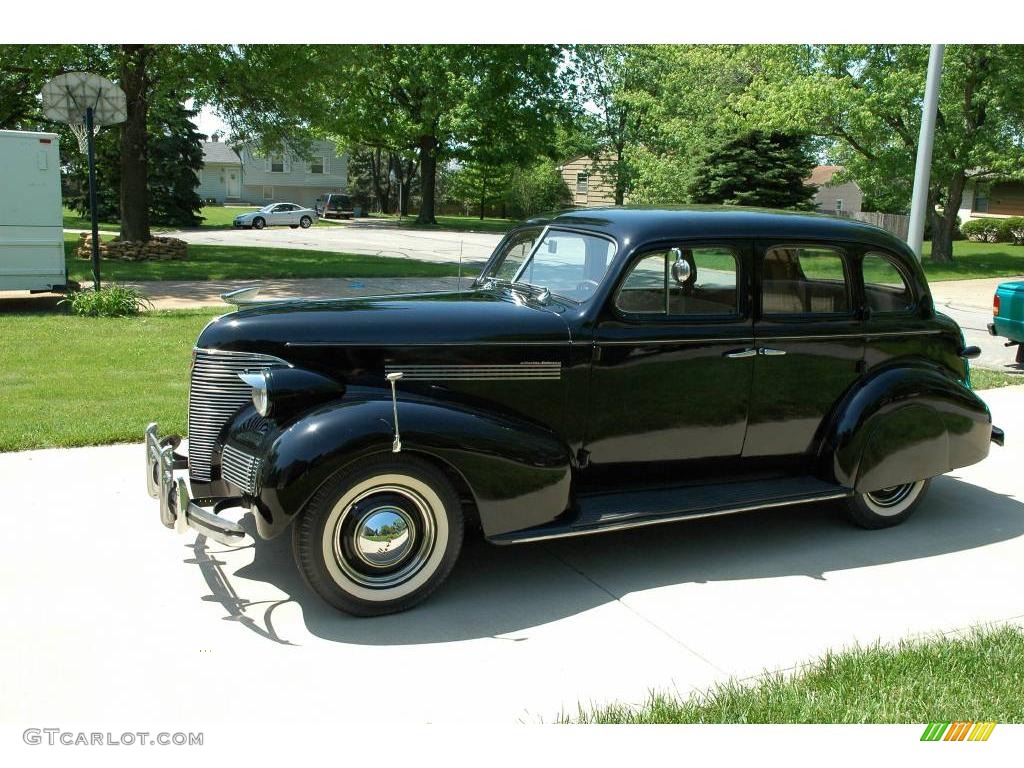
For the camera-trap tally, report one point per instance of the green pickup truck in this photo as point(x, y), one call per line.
point(1008, 315)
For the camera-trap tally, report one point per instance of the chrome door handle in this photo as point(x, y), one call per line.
point(772, 352)
point(741, 353)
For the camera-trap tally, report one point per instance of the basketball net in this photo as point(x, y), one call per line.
point(80, 132)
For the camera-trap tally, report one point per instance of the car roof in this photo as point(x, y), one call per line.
point(631, 225)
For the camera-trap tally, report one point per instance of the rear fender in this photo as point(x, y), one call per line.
point(905, 423)
point(518, 472)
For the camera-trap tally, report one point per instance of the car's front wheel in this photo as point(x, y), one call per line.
point(305, 222)
point(886, 506)
point(258, 223)
point(380, 536)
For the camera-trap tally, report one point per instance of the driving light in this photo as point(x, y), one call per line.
point(260, 394)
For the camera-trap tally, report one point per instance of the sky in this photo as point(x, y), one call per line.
point(207, 122)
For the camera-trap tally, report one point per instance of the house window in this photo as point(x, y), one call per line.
point(981, 201)
point(582, 182)
point(268, 193)
point(839, 206)
point(277, 164)
point(318, 165)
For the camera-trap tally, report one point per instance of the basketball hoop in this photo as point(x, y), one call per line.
point(70, 97)
point(86, 102)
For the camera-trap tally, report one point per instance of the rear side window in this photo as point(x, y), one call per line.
point(885, 289)
point(804, 280)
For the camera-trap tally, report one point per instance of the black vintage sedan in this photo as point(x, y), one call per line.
point(608, 369)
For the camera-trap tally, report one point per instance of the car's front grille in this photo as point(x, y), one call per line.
point(215, 395)
point(239, 469)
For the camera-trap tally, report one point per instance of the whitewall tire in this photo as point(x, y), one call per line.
point(381, 536)
point(886, 506)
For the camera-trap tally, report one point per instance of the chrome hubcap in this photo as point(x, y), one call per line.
point(384, 536)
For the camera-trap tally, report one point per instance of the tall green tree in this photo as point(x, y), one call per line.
point(619, 87)
point(264, 91)
point(758, 169)
point(443, 101)
point(866, 99)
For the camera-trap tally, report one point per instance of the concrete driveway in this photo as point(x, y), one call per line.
point(108, 615)
point(969, 302)
point(375, 239)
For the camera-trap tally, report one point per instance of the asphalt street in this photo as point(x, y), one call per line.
point(110, 616)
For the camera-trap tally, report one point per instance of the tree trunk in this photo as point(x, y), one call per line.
point(483, 193)
point(134, 144)
point(620, 181)
point(428, 179)
point(944, 225)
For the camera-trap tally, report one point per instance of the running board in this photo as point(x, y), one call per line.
point(597, 513)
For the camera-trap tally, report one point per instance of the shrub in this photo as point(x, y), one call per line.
point(110, 301)
point(1015, 229)
point(986, 230)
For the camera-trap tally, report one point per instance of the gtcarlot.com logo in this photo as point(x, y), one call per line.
point(60, 737)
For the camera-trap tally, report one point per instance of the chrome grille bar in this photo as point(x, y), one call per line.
point(239, 468)
point(215, 395)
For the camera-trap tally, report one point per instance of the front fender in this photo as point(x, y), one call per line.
point(904, 423)
point(518, 472)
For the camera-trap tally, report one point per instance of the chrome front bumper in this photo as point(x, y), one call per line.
point(177, 509)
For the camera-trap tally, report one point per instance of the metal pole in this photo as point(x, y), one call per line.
point(91, 153)
point(925, 141)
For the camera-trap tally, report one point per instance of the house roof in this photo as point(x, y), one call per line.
point(822, 174)
point(219, 152)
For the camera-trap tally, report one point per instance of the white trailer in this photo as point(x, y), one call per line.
point(31, 213)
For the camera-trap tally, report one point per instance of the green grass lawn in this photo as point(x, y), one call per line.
point(982, 378)
point(971, 260)
point(71, 380)
point(73, 221)
point(225, 262)
point(979, 677)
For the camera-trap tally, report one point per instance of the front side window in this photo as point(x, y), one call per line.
point(804, 280)
point(711, 288)
point(514, 253)
point(885, 289)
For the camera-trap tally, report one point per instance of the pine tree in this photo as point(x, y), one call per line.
point(175, 156)
point(757, 169)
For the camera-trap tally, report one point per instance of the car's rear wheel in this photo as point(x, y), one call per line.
point(380, 536)
point(258, 223)
point(886, 506)
point(305, 222)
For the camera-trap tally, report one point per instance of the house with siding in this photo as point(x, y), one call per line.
point(830, 197)
point(991, 199)
point(244, 175)
point(589, 187)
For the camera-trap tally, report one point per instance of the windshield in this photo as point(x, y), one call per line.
point(569, 264)
point(267, 208)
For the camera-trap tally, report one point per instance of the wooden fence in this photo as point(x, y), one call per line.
point(896, 223)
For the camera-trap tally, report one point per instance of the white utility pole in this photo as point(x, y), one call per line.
point(925, 141)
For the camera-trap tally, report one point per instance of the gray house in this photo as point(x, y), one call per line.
point(245, 175)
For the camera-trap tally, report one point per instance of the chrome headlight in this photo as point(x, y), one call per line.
point(260, 390)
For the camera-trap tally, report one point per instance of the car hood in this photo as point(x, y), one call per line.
point(475, 317)
point(249, 215)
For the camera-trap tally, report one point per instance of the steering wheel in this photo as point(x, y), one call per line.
point(587, 286)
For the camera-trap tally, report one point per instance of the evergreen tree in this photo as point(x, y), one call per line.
point(175, 156)
point(759, 169)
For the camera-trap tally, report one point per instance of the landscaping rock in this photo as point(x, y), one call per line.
point(155, 249)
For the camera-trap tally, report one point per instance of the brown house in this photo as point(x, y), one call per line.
point(834, 198)
point(992, 199)
point(587, 185)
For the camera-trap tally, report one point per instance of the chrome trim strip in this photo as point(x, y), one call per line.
point(521, 372)
point(673, 519)
point(641, 342)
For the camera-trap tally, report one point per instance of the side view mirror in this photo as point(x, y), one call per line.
point(681, 271)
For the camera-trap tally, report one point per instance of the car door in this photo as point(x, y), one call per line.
point(810, 344)
point(672, 365)
point(280, 215)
